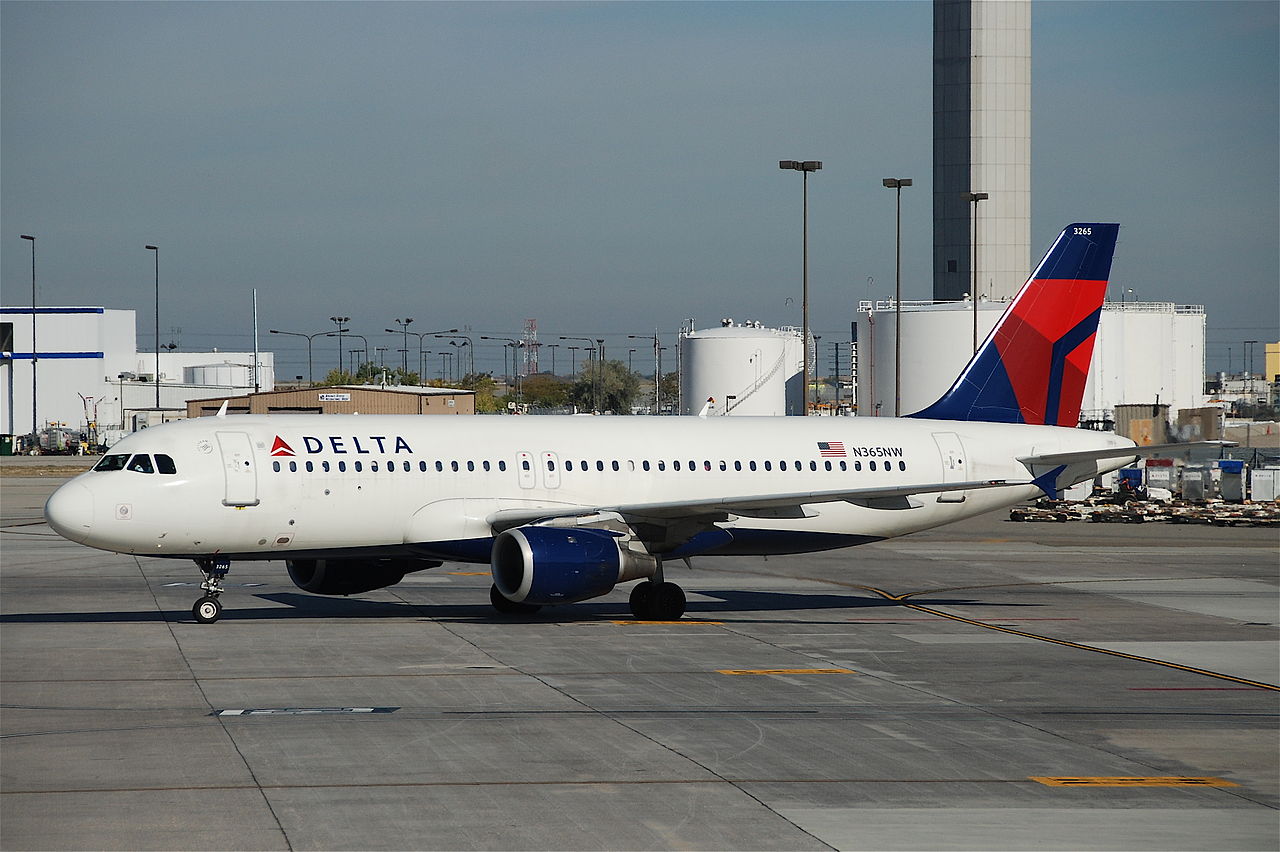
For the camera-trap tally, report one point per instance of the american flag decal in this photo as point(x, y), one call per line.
point(831, 449)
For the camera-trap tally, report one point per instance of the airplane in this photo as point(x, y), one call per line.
point(565, 508)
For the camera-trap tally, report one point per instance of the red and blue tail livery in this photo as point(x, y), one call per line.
point(1033, 366)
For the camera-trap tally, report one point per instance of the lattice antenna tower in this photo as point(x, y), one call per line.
point(530, 346)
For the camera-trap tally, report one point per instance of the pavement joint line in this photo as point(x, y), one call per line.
point(902, 599)
point(1081, 646)
point(690, 622)
point(632, 782)
point(784, 671)
point(226, 732)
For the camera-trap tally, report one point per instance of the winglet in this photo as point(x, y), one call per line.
point(222, 412)
point(706, 408)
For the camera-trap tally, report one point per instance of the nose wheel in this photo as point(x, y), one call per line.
point(208, 609)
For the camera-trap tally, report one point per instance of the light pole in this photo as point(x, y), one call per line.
point(347, 333)
point(156, 250)
point(1248, 348)
point(897, 184)
point(657, 364)
point(816, 350)
point(598, 346)
point(404, 328)
point(515, 371)
point(418, 334)
point(553, 347)
point(35, 356)
point(466, 344)
point(311, 376)
point(804, 167)
point(338, 321)
point(382, 359)
point(975, 197)
point(471, 353)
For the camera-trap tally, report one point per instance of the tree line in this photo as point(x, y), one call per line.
point(605, 387)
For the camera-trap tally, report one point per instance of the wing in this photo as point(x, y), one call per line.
point(774, 505)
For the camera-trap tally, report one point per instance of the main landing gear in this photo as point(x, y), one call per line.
point(208, 609)
point(657, 600)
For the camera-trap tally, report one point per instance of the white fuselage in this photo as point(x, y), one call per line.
point(279, 486)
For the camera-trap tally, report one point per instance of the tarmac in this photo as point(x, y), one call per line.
point(989, 685)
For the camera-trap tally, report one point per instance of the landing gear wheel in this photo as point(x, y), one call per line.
point(657, 601)
point(207, 610)
point(509, 607)
point(668, 602)
point(642, 600)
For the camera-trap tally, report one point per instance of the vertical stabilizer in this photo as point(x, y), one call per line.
point(1033, 366)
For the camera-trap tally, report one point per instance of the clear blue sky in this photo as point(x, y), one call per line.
point(604, 168)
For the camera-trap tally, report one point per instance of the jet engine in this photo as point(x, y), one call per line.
point(557, 565)
point(352, 576)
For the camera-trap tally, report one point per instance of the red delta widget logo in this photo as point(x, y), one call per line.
point(345, 444)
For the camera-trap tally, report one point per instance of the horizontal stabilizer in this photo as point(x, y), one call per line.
point(1120, 452)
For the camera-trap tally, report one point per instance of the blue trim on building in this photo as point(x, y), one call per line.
point(27, 311)
point(26, 356)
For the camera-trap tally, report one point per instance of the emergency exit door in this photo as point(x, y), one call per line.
point(238, 469)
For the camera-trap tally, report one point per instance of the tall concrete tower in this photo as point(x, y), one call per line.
point(981, 144)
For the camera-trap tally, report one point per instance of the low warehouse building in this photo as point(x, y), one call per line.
point(343, 399)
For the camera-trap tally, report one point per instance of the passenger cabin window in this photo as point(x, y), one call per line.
point(141, 463)
point(116, 462)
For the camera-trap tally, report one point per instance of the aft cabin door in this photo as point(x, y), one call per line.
point(954, 464)
point(238, 469)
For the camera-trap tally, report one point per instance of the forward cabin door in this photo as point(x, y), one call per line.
point(238, 469)
point(955, 466)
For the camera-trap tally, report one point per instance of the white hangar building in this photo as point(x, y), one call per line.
point(86, 367)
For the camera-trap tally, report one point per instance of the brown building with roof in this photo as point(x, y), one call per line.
point(342, 399)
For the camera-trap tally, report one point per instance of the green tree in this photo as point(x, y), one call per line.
point(543, 390)
point(485, 389)
point(370, 373)
point(605, 387)
point(669, 392)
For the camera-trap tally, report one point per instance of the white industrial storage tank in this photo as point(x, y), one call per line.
point(219, 375)
point(746, 369)
point(1145, 352)
point(937, 341)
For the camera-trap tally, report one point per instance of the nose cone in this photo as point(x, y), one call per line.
point(69, 511)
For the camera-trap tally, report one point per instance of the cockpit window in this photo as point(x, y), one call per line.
point(115, 462)
point(164, 464)
point(141, 463)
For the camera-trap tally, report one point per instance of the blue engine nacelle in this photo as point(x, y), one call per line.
point(557, 565)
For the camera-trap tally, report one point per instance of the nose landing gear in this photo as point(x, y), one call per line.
point(208, 609)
